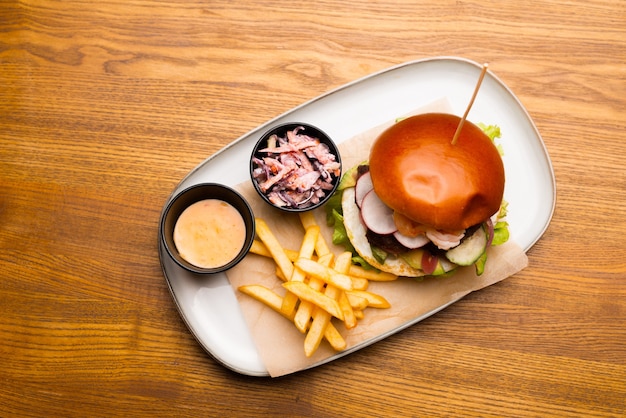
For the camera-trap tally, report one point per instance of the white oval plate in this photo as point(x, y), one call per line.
point(209, 306)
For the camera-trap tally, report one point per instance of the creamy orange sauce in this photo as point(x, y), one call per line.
point(209, 233)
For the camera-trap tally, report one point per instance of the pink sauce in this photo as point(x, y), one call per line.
point(209, 233)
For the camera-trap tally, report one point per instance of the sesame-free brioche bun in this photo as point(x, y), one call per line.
point(419, 173)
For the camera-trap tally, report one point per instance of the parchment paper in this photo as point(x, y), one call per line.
point(281, 345)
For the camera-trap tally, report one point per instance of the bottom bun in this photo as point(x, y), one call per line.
point(356, 234)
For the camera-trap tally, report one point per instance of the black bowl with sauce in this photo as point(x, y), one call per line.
point(301, 187)
point(217, 194)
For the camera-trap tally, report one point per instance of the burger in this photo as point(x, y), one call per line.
point(423, 204)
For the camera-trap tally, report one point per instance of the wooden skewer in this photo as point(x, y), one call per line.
point(480, 81)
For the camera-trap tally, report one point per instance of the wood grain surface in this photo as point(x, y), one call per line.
point(106, 105)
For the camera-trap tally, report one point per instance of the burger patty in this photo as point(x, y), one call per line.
point(387, 243)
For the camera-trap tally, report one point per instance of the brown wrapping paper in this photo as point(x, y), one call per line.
point(280, 344)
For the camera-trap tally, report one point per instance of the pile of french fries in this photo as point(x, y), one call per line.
point(319, 286)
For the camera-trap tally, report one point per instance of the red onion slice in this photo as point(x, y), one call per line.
point(429, 263)
point(490, 231)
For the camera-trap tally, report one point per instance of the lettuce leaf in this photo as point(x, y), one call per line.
point(334, 218)
point(501, 227)
point(480, 264)
point(493, 132)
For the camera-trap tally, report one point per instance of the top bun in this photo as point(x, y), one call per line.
point(418, 172)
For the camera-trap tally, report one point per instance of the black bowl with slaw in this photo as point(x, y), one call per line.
point(295, 167)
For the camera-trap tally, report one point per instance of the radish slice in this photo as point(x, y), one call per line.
point(411, 242)
point(363, 186)
point(377, 216)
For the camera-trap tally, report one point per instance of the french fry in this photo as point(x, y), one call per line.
point(304, 292)
point(259, 248)
point(302, 318)
point(359, 283)
point(334, 338)
point(306, 251)
point(308, 219)
point(356, 302)
point(373, 275)
point(374, 300)
point(316, 331)
point(324, 273)
point(321, 319)
point(349, 319)
point(273, 246)
point(264, 295)
point(326, 260)
point(359, 314)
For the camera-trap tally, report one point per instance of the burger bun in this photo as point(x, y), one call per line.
point(418, 172)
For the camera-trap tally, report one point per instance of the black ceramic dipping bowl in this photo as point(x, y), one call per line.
point(284, 203)
point(194, 194)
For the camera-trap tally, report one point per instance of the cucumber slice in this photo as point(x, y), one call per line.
point(470, 250)
point(414, 259)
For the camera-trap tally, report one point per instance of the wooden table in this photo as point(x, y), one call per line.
point(106, 106)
